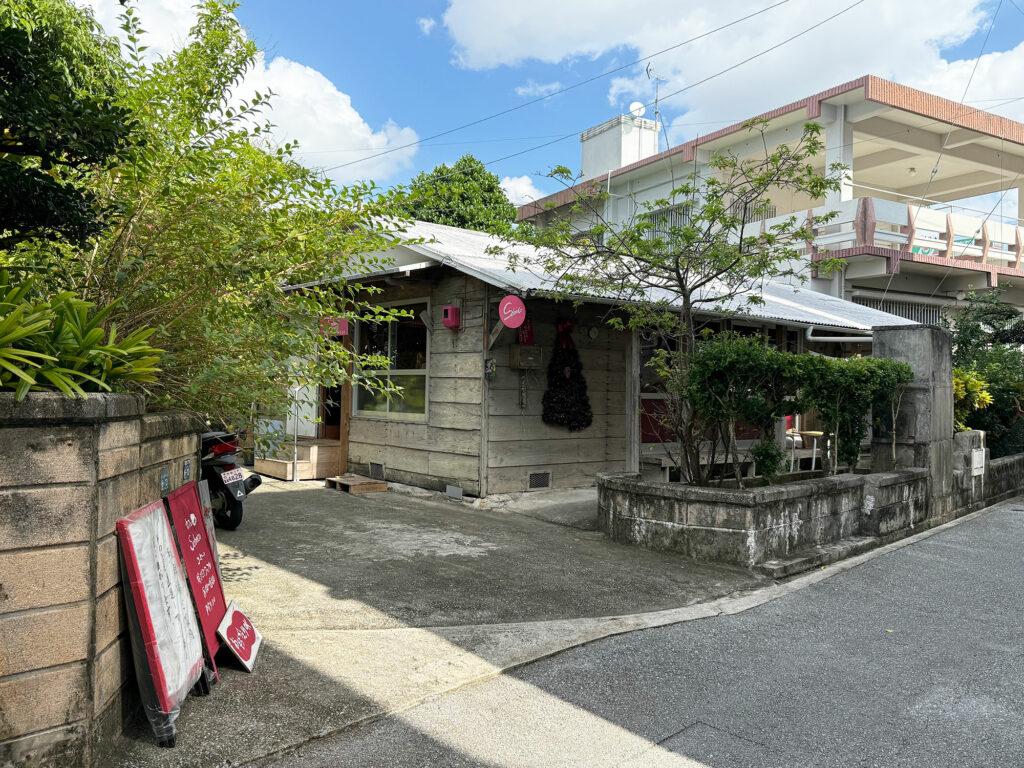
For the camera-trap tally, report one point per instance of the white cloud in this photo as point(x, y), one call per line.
point(532, 89)
point(897, 40)
point(520, 189)
point(306, 107)
point(426, 25)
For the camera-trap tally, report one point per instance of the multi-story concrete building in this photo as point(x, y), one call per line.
point(912, 240)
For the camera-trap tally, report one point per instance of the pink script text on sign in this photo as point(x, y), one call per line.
point(512, 311)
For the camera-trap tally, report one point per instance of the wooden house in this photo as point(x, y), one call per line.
point(470, 417)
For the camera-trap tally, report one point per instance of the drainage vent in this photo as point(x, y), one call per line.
point(376, 471)
point(539, 480)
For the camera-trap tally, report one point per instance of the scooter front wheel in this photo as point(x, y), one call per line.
point(227, 510)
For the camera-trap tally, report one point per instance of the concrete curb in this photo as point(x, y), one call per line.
point(594, 629)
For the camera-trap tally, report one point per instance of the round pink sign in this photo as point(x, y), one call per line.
point(512, 311)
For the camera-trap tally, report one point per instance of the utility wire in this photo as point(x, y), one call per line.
point(675, 93)
point(560, 91)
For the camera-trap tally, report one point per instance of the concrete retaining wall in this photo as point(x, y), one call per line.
point(748, 527)
point(68, 470)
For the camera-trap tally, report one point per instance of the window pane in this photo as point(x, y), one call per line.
point(413, 398)
point(373, 339)
point(375, 402)
point(410, 340)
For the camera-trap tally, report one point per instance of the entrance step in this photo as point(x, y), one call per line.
point(355, 484)
point(809, 558)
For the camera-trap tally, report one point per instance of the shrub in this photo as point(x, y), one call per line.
point(60, 344)
point(845, 391)
point(732, 379)
point(970, 393)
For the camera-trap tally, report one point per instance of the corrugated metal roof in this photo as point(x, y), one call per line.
point(468, 251)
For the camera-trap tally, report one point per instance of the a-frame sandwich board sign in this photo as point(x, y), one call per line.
point(197, 552)
point(166, 641)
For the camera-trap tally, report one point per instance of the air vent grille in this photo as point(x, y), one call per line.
point(539, 480)
point(376, 471)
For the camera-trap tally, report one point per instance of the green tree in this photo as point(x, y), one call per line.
point(699, 251)
point(211, 222)
point(464, 195)
point(59, 120)
point(987, 338)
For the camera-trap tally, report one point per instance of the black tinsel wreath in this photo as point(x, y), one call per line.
point(566, 402)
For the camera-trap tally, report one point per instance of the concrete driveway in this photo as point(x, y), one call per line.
point(371, 604)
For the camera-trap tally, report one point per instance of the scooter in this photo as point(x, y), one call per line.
point(228, 485)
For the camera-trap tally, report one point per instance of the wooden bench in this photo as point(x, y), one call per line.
point(355, 484)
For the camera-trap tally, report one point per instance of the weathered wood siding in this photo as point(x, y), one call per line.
point(445, 449)
point(519, 443)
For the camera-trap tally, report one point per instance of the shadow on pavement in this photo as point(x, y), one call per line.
point(374, 603)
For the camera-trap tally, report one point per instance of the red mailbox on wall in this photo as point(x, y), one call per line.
point(451, 316)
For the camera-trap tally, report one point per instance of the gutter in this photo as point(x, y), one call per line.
point(864, 338)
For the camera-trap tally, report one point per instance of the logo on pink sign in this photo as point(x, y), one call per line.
point(512, 311)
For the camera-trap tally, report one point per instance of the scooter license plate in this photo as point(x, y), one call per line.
point(232, 476)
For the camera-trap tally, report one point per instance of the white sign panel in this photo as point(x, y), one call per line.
point(978, 461)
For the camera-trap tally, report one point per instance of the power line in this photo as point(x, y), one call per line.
point(675, 93)
point(560, 91)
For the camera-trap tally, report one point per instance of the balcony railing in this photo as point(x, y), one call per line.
point(918, 230)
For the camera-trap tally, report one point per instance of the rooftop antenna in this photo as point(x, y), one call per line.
point(653, 74)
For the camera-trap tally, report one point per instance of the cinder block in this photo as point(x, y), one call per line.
point(118, 461)
point(119, 434)
point(110, 617)
point(112, 670)
point(41, 700)
point(167, 423)
point(63, 746)
point(122, 405)
point(116, 497)
point(40, 517)
point(168, 448)
point(43, 638)
point(108, 573)
point(38, 578)
point(44, 456)
point(50, 407)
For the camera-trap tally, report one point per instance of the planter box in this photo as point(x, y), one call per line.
point(748, 527)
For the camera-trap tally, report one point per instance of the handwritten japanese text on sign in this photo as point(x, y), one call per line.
point(197, 552)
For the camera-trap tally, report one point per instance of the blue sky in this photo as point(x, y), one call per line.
point(356, 78)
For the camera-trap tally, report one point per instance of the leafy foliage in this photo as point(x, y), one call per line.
point(987, 338)
point(210, 223)
point(733, 379)
point(970, 393)
point(697, 253)
point(846, 391)
point(59, 120)
point(60, 344)
point(464, 195)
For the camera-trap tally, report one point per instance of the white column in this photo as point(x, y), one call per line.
point(839, 149)
point(1020, 206)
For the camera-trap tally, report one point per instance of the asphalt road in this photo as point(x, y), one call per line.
point(912, 659)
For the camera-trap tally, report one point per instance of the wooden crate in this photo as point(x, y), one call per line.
point(355, 484)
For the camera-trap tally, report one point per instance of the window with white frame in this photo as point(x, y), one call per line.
point(405, 343)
